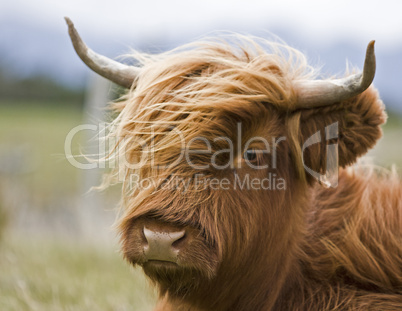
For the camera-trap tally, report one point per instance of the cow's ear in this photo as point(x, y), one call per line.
point(353, 124)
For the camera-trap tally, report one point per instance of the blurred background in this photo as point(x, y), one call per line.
point(58, 250)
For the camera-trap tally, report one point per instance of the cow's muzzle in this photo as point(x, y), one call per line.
point(163, 244)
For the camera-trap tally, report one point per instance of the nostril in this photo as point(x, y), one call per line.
point(180, 241)
point(175, 236)
point(143, 237)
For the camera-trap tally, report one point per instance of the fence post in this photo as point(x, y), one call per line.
point(94, 223)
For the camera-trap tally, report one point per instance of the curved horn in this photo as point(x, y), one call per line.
point(326, 92)
point(118, 73)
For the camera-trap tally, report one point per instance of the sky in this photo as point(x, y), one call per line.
point(326, 21)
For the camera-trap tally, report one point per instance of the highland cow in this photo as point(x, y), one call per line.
point(247, 205)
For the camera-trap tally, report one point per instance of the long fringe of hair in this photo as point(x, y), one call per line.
point(186, 89)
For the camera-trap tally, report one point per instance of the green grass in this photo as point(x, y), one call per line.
point(388, 151)
point(59, 275)
point(41, 131)
point(40, 274)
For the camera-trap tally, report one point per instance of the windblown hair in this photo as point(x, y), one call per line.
point(305, 248)
point(192, 89)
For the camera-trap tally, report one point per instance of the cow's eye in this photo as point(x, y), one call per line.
point(250, 155)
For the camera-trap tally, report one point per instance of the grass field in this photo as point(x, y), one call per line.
point(44, 267)
point(39, 132)
point(46, 275)
point(45, 271)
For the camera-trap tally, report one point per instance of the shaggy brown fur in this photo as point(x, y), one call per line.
point(302, 248)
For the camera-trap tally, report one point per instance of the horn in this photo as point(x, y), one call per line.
point(319, 93)
point(118, 73)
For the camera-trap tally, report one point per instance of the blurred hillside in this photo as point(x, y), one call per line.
point(42, 89)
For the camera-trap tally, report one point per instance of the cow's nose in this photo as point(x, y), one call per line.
point(161, 245)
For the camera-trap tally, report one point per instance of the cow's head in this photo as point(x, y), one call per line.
point(210, 146)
